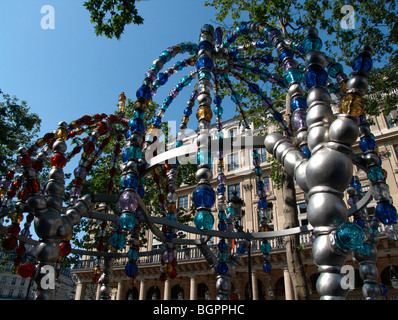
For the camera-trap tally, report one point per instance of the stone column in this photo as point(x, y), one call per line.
point(193, 291)
point(120, 291)
point(142, 290)
point(80, 290)
point(167, 290)
point(98, 295)
point(254, 286)
point(289, 294)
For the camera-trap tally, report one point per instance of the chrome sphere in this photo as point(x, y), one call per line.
point(344, 130)
point(326, 209)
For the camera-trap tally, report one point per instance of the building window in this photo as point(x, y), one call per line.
point(233, 161)
point(20, 292)
point(183, 202)
point(302, 207)
point(14, 280)
point(262, 152)
point(267, 186)
point(232, 188)
point(233, 133)
point(392, 119)
point(10, 293)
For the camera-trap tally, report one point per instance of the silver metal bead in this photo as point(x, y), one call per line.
point(295, 89)
point(204, 99)
point(358, 84)
point(223, 284)
point(317, 95)
point(329, 286)
point(203, 175)
point(326, 209)
point(59, 146)
point(315, 57)
point(317, 134)
point(344, 129)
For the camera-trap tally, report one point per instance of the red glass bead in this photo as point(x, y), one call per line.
point(163, 277)
point(58, 160)
point(11, 193)
point(87, 120)
point(102, 128)
point(156, 178)
point(37, 164)
point(23, 195)
point(32, 186)
point(9, 243)
point(103, 224)
point(13, 229)
point(100, 247)
point(174, 262)
point(112, 171)
point(20, 250)
point(25, 161)
point(161, 197)
point(112, 118)
point(89, 147)
point(10, 175)
point(27, 270)
point(16, 184)
point(65, 248)
point(95, 278)
point(30, 217)
point(48, 136)
point(173, 274)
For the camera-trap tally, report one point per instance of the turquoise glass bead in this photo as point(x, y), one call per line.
point(365, 250)
point(117, 240)
point(293, 75)
point(334, 68)
point(203, 157)
point(235, 97)
point(204, 220)
point(132, 254)
point(231, 210)
point(127, 221)
point(265, 247)
point(186, 81)
point(312, 43)
point(349, 236)
point(375, 174)
point(218, 110)
point(222, 215)
point(223, 256)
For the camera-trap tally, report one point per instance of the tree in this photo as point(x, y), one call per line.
point(111, 16)
point(17, 129)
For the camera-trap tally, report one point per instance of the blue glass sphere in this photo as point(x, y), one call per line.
point(242, 249)
point(254, 88)
point(278, 117)
point(262, 203)
point(298, 102)
point(222, 268)
point(222, 245)
point(267, 267)
point(367, 144)
point(362, 63)
point(127, 221)
point(204, 196)
point(316, 76)
point(306, 151)
point(386, 212)
point(349, 236)
point(204, 220)
point(204, 62)
point(144, 92)
point(131, 269)
point(131, 181)
point(137, 125)
point(187, 112)
point(383, 290)
point(222, 226)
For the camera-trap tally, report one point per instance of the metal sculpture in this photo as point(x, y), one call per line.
point(319, 156)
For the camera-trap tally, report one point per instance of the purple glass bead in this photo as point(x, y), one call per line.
point(128, 201)
point(256, 162)
point(80, 172)
point(219, 34)
point(299, 119)
point(221, 179)
point(75, 191)
point(151, 74)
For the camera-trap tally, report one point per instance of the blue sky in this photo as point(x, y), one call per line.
point(68, 72)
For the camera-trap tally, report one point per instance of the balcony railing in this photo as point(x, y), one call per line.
point(192, 253)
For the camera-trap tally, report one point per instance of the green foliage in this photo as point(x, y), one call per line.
point(17, 129)
point(111, 16)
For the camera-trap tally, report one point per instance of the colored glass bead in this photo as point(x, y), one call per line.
point(365, 250)
point(128, 201)
point(222, 215)
point(218, 110)
point(222, 268)
point(334, 68)
point(262, 203)
point(203, 157)
point(265, 247)
point(221, 189)
point(127, 221)
point(204, 62)
point(222, 245)
point(58, 160)
point(231, 210)
point(222, 226)
point(278, 116)
point(242, 249)
point(293, 75)
point(117, 240)
point(316, 76)
point(312, 43)
point(375, 174)
point(351, 104)
point(144, 92)
point(204, 196)
point(204, 112)
point(235, 97)
point(254, 88)
point(386, 212)
point(349, 236)
point(131, 181)
point(267, 267)
point(306, 151)
point(298, 120)
point(131, 269)
point(367, 144)
point(204, 220)
point(362, 63)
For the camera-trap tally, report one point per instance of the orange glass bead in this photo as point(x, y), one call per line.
point(74, 125)
point(23, 195)
point(41, 142)
point(204, 112)
point(58, 160)
point(185, 119)
point(171, 207)
point(2, 192)
point(351, 104)
point(17, 217)
point(142, 104)
point(167, 268)
point(343, 86)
